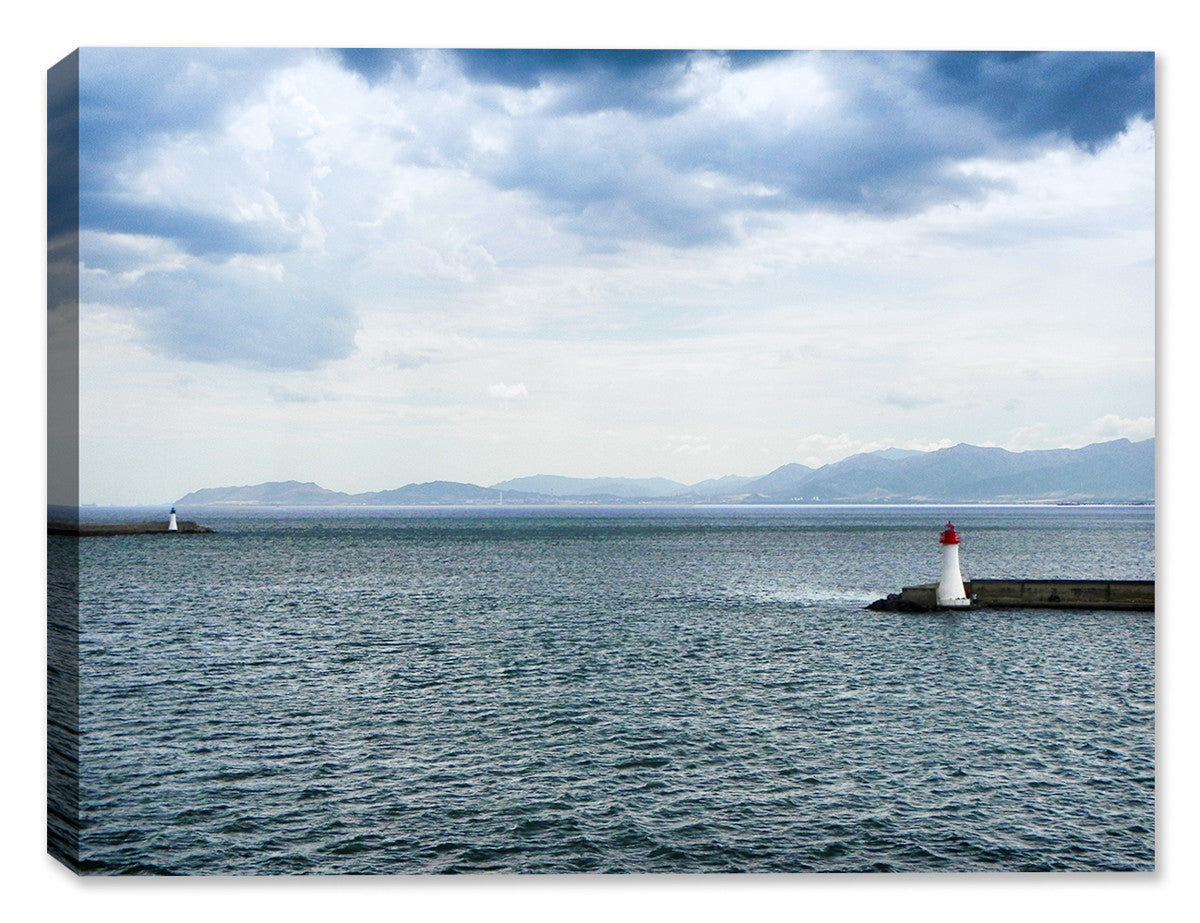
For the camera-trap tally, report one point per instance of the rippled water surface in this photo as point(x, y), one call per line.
point(610, 691)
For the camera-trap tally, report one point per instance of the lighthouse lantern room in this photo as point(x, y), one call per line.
point(951, 594)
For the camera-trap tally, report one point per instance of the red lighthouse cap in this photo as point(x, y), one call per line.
point(949, 536)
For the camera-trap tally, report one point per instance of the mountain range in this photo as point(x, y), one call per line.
point(1118, 471)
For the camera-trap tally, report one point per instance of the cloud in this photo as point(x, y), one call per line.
point(240, 315)
point(186, 188)
point(408, 348)
point(1114, 426)
point(1089, 97)
point(131, 100)
point(583, 81)
point(283, 395)
point(407, 360)
point(401, 178)
point(372, 64)
point(671, 146)
point(508, 392)
point(910, 401)
point(820, 449)
point(866, 136)
point(694, 445)
point(602, 182)
point(195, 232)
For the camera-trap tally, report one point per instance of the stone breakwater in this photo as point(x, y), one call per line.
point(1129, 595)
point(87, 529)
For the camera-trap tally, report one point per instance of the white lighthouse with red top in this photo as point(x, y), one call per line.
point(951, 594)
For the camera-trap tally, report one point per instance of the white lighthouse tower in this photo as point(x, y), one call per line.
point(172, 525)
point(951, 594)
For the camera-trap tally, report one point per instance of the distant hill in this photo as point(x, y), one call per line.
point(784, 481)
point(1110, 471)
point(717, 488)
point(434, 492)
point(293, 493)
point(1117, 471)
point(586, 488)
point(273, 493)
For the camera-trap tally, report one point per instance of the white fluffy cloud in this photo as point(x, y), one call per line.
point(1111, 426)
point(508, 392)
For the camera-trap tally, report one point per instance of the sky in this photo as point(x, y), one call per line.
point(368, 268)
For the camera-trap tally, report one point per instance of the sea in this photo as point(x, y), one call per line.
point(594, 689)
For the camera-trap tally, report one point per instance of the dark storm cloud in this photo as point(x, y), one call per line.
point(373, 64)
point(889, 141)
point(672, 147)
point(1086, 96)
point(636, 80)
point(870, 159)
point(588, 81)
point(526, 68)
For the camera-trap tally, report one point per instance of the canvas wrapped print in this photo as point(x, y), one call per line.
point(581, 461)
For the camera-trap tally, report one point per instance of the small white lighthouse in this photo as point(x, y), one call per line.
point(172, 525)
point(951, 594)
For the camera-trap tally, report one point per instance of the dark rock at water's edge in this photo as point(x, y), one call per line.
point(896, 602)
point(85, 529)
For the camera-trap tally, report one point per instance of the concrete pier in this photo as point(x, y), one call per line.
point(1130, 595)
point(84, 529)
